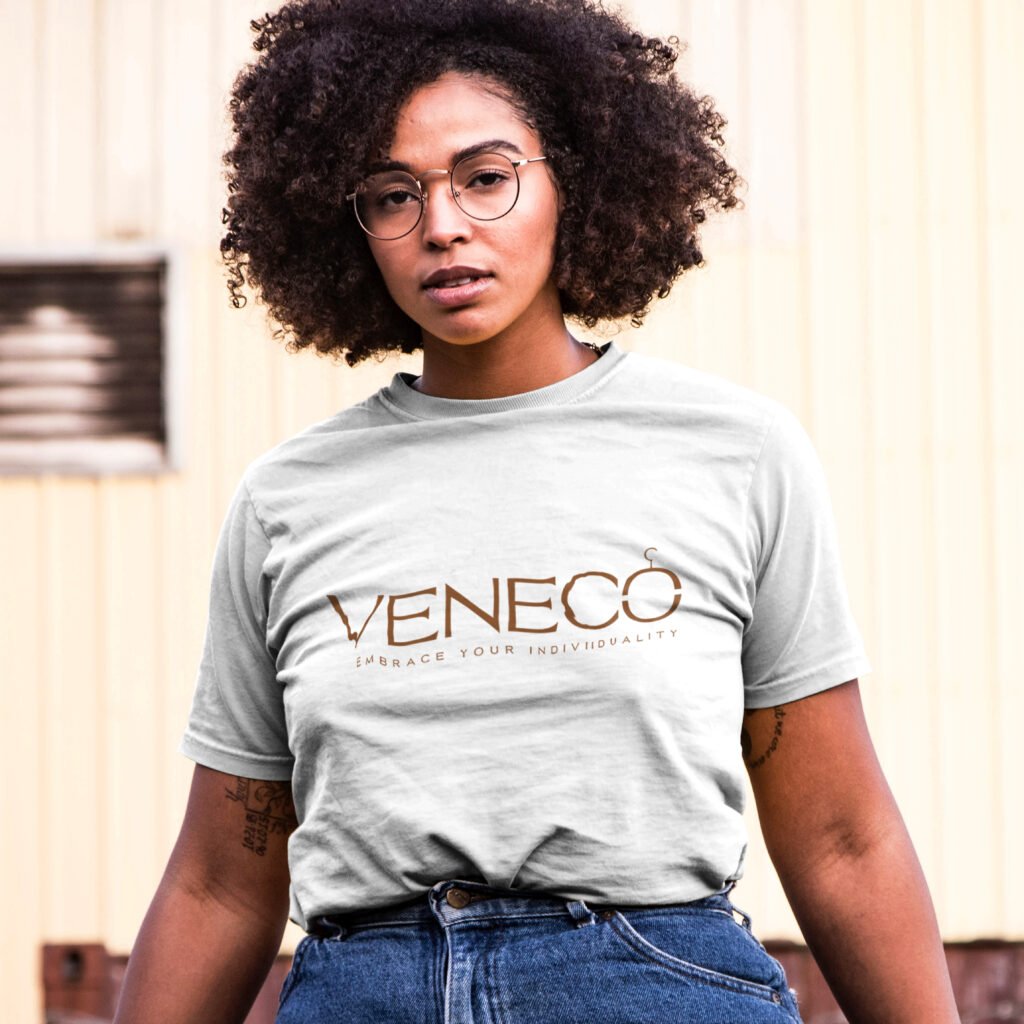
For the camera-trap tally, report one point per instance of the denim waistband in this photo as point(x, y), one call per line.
point(460, 900)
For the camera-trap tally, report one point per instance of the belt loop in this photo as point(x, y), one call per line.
point(580, 912)
point(325, 928)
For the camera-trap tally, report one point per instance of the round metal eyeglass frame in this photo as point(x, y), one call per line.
point(450, 171)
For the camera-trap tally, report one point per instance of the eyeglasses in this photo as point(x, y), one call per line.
point(485, 186)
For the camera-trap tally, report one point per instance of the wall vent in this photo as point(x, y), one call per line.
point(88, 362)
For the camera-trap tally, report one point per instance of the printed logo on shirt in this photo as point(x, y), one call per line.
point(593, 600)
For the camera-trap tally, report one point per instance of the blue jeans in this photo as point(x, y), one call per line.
point(468, 953)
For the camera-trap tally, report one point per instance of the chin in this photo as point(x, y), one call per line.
point(461, 333)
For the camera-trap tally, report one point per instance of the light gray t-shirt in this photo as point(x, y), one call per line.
point(511, 639)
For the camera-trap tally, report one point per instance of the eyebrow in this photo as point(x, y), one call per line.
point(477, 147)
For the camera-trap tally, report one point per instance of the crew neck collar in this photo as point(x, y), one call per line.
point(403, 398)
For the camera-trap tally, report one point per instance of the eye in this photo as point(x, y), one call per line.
point(484, 173)
point(394, 196)
point(488, 178)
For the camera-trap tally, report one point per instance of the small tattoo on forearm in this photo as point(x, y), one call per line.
point(268, 810)
point(745, 741)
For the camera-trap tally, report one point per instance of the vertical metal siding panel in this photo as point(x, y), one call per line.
point(247, 361)
point(308, 387)
point(243, 351)
point(131, 685)
point(244, 409)
point(1002, 43)
point(188, 139)
point(70, 787)
point(198, 533)
point(72, 790)
point(769, 47)
point(128, 169)
point(234, 370)
point(716, 330)
point(23, 597)
point(68, 168)
point(23, 616)
point(960, 571)
point(833, 407)
point(902, 687)
point(706, 321)
point(188, 212)
point(131, 667)
point(19, 170)
point(668, 329)
point(839, 367)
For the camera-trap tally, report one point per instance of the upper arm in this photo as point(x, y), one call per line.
point(233, 843)
point(819, 788)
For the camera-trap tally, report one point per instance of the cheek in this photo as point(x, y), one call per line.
point(530, 246)
point(394, 268)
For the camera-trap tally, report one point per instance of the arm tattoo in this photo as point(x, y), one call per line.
point(268, 810)
point(746, 744)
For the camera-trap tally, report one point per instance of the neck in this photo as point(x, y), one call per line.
point(497, 368)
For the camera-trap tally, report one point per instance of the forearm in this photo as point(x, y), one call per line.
point(196, 959)
point(868, 919)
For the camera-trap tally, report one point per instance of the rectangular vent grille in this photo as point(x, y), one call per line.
point(82, 357)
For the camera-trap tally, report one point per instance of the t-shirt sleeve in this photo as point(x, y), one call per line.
point(801, 636)
point(237, 720)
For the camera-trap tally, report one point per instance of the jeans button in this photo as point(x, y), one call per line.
point(457, 898)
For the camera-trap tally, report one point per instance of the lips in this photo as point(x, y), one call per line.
point(451, 294)
point(454, 276)
point(455, 282)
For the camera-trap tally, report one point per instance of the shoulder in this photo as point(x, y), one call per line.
point(286, 471)
point(706, 397)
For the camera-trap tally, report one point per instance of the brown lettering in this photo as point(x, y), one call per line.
point(570, 614)
point(450, 594)
point(513, 603)
point(665, 614)
point(392, 618)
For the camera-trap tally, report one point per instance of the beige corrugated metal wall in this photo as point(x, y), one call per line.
point(869, 284)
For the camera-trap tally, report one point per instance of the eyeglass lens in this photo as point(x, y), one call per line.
point(486, 187)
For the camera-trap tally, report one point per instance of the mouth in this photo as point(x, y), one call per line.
point(456, 281)
point(458, 290)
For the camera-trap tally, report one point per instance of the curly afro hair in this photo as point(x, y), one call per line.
point(632, 148)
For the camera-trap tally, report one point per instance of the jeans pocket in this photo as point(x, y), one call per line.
point(293, 972)
point(703, 946)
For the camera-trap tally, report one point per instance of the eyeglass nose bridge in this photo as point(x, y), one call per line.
point(450, 172)
point(434, 170)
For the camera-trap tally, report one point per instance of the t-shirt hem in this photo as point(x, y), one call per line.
point(248, 766)
point(834, 673)
point(642, 897)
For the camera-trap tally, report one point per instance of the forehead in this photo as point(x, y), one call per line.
point(444, 119)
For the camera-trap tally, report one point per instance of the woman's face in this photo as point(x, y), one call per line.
point(516, 251)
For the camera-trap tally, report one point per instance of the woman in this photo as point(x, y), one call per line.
point(488, 649)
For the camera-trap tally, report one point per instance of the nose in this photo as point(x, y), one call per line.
point(443, 219)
